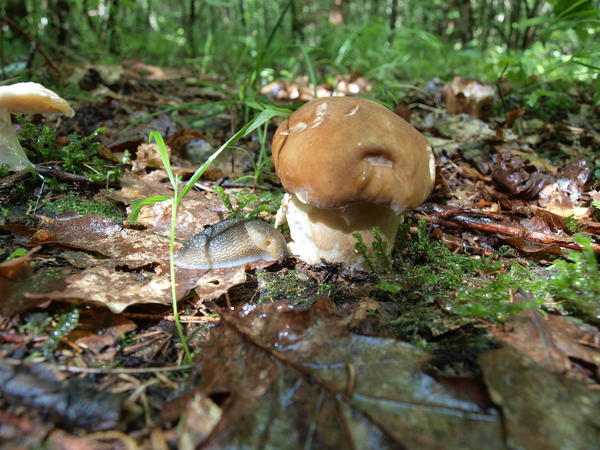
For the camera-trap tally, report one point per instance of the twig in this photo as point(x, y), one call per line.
point(123, 370)
point(99, 370)
point(444, 215)
point(55, 172)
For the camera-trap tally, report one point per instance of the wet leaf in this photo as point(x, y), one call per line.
point(540, 408)
point(72, 404)
point(286, 378)
point(554, 342)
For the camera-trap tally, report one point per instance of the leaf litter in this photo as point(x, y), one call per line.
point(281, 375)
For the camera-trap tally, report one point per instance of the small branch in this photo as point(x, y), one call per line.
point(444, 216)
point(55, 172)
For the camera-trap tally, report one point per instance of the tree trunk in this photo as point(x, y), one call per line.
point(393, 15)
point(192, 28)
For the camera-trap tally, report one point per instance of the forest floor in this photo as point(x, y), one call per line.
point(481, 327)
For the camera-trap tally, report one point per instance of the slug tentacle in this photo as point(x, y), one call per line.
point(232, 242)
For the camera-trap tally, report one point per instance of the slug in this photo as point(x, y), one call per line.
point(232, 242)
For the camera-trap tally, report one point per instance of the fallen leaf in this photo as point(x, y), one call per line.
point(197, 209)
point(552, 341)
point(128, 247)
point(285, 378)
point(72, 404)
point(540, 409)
point(511, 173)
point(562, 196)
point(117, 289)
point(99, 331)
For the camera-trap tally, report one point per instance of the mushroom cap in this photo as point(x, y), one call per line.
point(32, 98)
point(336, 151)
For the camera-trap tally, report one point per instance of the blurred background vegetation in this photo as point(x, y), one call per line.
point(258, 41)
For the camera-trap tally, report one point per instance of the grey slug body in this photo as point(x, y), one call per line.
point(232, 242)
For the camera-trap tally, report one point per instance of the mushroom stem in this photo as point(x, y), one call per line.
point(326, 234)
point(11, 152)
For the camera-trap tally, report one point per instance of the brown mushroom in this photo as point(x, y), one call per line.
point(24, 98)
point(348, 165)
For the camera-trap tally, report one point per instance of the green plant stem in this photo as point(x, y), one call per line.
point(182, 338)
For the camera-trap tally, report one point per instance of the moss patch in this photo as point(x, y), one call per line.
point(72, 202)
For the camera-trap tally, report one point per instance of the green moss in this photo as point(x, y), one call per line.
point(79, 156)
point(4, 170)
point(469, 286)
point(65, 323)
point(36, 323)
point(294, 286)
point(72, 202)
point(574, 225)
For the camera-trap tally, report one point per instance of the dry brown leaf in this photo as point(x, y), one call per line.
point(128, 247)
point(552, 341)
point(99, 331)
point(115, 289)
point(197, 209)
point(147, 155)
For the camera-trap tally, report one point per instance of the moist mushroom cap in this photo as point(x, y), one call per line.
point(32, 98)
point(341, 150)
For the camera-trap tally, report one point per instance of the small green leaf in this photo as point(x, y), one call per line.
point(137, 206)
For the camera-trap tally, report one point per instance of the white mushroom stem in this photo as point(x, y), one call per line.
point(11, 152)
point(327, 234)
point(24, 98)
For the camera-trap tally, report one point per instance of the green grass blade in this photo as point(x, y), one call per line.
point(164, 154)
point(310, 69)
point(262, 118)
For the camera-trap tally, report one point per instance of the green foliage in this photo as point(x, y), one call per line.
point(66, 323)
point(79, 156)
point(15, 254)
point(37, 323)
point(577, 280)
point(483, 287)
point(73, 202)
point(574, 225)
point(596, 205)
point(249, 204)
point(378, 257)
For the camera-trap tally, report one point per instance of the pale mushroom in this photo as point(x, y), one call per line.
point(348, 165)
point(24, 98)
